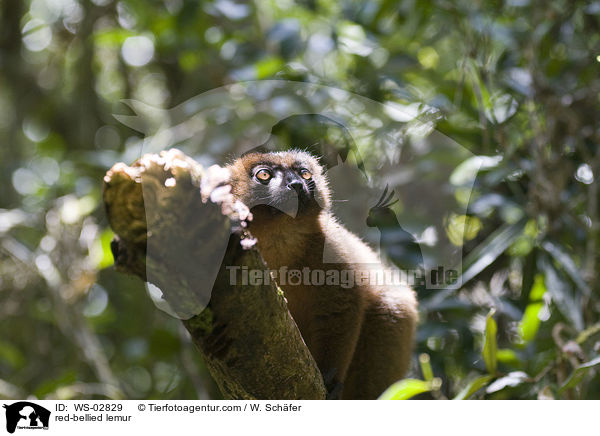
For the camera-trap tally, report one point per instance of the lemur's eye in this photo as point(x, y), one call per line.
point(263, 175)
point(305, 174)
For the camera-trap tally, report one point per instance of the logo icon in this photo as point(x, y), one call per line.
point(26, 415)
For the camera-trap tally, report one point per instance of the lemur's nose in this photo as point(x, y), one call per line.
point(296, 185)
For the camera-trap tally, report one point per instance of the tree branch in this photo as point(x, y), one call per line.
point(174, 222)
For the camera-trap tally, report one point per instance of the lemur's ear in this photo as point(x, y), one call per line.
point(260, 149)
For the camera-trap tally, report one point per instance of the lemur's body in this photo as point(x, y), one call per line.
point(361, 337)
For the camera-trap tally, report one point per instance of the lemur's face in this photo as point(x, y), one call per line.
point(289, 182)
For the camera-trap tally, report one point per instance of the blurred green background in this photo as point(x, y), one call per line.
point(517, 83)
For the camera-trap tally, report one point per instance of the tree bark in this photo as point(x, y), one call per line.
point(179, 228)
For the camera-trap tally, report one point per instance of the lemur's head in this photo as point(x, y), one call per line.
point(287, 181)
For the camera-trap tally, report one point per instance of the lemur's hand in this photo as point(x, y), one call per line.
point(215, 186)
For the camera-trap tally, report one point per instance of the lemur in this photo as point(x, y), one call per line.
point(360, 336)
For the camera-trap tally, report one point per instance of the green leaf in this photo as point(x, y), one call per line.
point(566, 301)
point(483, 256)
point(101, 253)
point(568, 265)
point(490, 249)
point(577, 376)
point(405, 389)
point(478, 85)
point(466, 172)
point(473, 387)
point(530, 323)
point(510, 380)
point(490, 347)
point(505, 355)
point(461, 228)
point(267, 67)
point(538, 289)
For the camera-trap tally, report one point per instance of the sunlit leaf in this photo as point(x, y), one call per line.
point(405, 389)
point(530, 322)
point(473, 387)
point(504, 106)
point(512, 380)
point(101, 252)
point(507, 356)
point(462, 228)
point(267, 67)
point(467, 171)
point(490, 347)
point(428, 57)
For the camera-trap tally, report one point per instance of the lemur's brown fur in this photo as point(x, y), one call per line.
point(361, 337)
